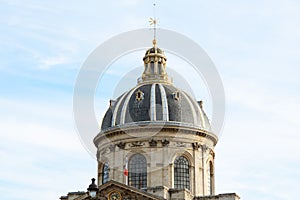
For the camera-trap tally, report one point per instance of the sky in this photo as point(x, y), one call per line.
point(254, 44)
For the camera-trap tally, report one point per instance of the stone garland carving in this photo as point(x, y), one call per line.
point(165, 142)
point(196, 145)
point(180, 144)
point(137, 144)
point(121, 145)
point(153, 143)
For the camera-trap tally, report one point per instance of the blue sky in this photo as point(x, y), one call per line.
point(254, 45)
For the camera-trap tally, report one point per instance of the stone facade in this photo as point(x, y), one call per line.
point(160, 150)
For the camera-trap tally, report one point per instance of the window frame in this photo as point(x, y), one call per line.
point(182, 173)
point(210, 177)
point(137, 171)
point(105, 173)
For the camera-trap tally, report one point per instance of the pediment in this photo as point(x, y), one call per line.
point(113, 189)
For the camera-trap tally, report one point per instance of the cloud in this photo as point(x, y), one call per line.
point(47, 63)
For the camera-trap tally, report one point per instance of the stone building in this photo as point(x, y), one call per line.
point(155, 143)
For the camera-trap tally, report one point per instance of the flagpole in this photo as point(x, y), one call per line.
point(126, 170)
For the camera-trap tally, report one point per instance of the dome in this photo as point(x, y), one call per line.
point(153, 103)
point(155, 99)
point(155, 50)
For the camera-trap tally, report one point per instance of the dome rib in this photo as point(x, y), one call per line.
point(153, 103)
point(123, 113)
point(202, 120)
point(114, 116)
point(164, 103)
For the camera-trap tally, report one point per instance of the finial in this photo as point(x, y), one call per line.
point(153, 21)
point(154, 42)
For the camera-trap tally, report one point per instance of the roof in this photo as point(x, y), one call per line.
point(155, 103)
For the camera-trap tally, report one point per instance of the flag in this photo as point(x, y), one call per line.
point(126, 167)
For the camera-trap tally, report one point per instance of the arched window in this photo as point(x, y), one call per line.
point(210, 174)
point(105, 173)
point(181, 173)
point(137, 168)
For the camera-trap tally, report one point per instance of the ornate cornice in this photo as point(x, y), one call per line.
point(167, 128)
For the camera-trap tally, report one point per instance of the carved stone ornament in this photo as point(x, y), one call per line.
point(127, 197)
point(211, 152)
point(165, 142)
point(180, 144)
point(137, 144)
point(112, 148)
point(106, 150)
point(196, 145)
point(121, 145)
point(139, 95)
point(153, 143)
point(102, 196)
point(204, 147)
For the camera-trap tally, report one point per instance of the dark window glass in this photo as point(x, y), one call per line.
point(152, 67)
point(137, 171)
point(181, 173)
point(105, 173)
point(210, 178)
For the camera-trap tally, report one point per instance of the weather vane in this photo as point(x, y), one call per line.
point(153, 22)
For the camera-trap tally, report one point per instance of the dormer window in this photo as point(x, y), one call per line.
point(176, 95)
point(139, 95)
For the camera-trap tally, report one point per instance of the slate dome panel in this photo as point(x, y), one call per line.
point(155, 102)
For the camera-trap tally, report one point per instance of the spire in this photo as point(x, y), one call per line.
point(153, 22)
point(154, 60)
